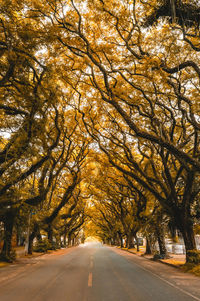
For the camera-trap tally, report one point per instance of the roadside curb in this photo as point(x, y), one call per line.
point(171, 265)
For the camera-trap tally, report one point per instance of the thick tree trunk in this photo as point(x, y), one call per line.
point(189, 239)
point(129, 241)
point(120, 239)
point(8, 231)
point(30, 244)
point(121, 242)
point(148, 247)
point(35, 233)
point(161, 242)
point(69, 240)
point(187, 231)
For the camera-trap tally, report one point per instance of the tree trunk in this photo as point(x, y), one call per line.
point(65, 239)
point(8, 230)
point(69, 240)
point(30, 244)
point(120, 239)
point(187, 231)
point(50, 233)
point(18, 236)
point(35, 233)
point(38, 235)
point(161, 242)
point(173, 10)
point(121, 242)
point(137, 243)
point(148, 247)
point(129, 242)
point(189, 239)
point(113, 240)
point(60, 242)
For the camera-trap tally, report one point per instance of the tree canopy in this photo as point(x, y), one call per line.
point(100, 116)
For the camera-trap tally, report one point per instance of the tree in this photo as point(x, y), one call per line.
point(150, 95)
point(121, 204)
point(182, 12)
point(36, 143)
point(27, 106)
point(136, 89)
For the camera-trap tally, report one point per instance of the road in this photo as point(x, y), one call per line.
point(95, 273)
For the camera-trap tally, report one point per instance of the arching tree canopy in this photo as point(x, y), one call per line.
point(88, 82)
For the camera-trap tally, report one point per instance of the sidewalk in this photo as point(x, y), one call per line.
point(20, 251)
point(176, 260)
point(20, 255)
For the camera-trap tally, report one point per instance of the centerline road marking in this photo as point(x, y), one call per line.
point(90, 280)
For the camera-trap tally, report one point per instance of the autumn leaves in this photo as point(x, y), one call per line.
point(93, 83)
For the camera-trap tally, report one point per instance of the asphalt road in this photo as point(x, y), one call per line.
point(95, 273)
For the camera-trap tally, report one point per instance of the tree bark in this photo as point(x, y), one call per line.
point(50, 233)
point(35, 233)
point(121, 242)
point(129, 241)
point(187, 230)
point(148, 247)
point(69, 241)
point(9, 219)
point(137, 243)
point(173, 10)
point(120, 239)
point(30, 245)
point(18, 236)
point(161, 241)
point(65, 239)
